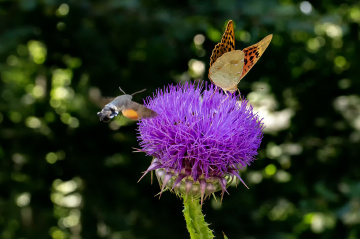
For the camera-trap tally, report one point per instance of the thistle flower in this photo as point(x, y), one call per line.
point(200, 139)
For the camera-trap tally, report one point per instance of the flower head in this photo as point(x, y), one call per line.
point(200, 139)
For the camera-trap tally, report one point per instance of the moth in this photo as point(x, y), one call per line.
point(128, 108)
point(227, 65)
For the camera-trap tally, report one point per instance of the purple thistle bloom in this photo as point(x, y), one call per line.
point(200, 138)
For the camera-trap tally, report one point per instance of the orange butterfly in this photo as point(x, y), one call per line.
point(227, 65)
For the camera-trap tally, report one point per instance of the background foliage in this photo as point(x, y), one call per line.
point(64, 174)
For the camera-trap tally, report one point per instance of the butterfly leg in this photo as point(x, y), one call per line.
point(239, 91)
point(227, 96)
point(240, 98)
point(216, 89)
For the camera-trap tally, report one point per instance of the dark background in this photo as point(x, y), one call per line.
point(64, 174)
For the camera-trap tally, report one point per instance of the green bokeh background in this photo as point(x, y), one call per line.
point(64, 174)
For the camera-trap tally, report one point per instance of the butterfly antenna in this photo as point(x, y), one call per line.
point(138, 91)
point(122, 91)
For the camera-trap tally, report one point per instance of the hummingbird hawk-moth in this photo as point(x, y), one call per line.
point(128, 108)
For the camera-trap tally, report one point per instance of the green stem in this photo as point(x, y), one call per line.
point(194, 218)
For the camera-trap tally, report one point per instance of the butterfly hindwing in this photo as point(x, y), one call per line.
point(226, 71)
point(253, 53)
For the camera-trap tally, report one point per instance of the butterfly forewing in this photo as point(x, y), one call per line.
point(253, 53)
point(228, 39)
point(227, 43)
point(216, 53)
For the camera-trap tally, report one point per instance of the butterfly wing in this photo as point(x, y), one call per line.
point(226, 71)
point(223, 73)
point(227, 43)
point(135, 111)
point(253, 53)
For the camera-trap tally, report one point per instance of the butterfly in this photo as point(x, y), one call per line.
point(227, 65)
point(128, 108)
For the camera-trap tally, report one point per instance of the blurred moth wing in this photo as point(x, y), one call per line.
point(135, 111)
point(227, 69)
